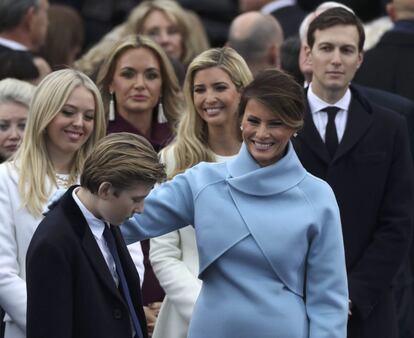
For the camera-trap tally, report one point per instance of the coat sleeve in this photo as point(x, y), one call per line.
point(179, 283)
point(391, 240)
point(49, 292)
point(168, 207)
point(12, 286)
point(326, 281)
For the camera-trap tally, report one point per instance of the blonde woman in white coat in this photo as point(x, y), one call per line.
point(66, 118)
point(209, 131)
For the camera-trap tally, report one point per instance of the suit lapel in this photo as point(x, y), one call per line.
point(359, 120)
point(98, 263)
point(88, 242)
point(311, 138)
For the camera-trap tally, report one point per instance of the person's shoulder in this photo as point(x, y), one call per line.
point(205, 174)
point(378, 103)
point(60, 216)
point(316, 190)
point(211, 169)
point(8, 172)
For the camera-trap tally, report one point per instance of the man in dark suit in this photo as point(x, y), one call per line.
point(389, 65)
point(23, 28)
point(362, 151)
point(81, 280)
point(286, 12)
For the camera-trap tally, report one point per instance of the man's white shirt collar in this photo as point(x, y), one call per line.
point(316, 104)
point(275, 5)
point(12, 44)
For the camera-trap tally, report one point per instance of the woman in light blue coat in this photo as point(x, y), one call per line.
point(268, 232)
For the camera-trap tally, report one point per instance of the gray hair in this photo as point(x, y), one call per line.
point(255, 44)
point(13, 11)
point(16, 91)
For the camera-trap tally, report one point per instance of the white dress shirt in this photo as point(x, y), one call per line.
point(320, 118)
point(97, 227)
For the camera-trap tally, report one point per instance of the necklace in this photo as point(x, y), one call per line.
point(62, 180)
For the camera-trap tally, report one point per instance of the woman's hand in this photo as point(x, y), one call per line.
point(151, 314)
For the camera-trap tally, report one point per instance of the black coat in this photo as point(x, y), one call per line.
point(389, 65)
point(372, 177)
point(70, 291)
point(290, 18)
point(17, 64)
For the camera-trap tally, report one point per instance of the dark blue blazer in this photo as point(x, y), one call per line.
point(71, 293)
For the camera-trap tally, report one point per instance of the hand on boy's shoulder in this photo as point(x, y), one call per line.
point(54, 200)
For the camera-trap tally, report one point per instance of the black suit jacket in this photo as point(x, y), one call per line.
point(17, 64)
point(394, 102)
point(290, 18)
point(372, 177)
point(70, 291)
point(389, 65)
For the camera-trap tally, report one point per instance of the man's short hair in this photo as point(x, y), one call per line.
point(334, 17)
point(13, 11)
point(254, 45)
point(122, 159)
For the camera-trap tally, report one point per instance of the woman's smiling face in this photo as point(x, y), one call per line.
point(264, 134)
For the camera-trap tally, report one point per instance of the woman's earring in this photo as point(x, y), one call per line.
point(112, 107)
point(241, 128)
point(161, 118)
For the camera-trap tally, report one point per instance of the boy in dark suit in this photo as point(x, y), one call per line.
point(81, 281)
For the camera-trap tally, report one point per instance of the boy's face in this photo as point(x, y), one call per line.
point(119, 206)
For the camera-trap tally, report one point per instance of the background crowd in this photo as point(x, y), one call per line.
point(175, 73)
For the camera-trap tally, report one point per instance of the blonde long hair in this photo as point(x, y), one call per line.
point(32, 158)
point(170, 89)
point(191, 145)
point(193, 35)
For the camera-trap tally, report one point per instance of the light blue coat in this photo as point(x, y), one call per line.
point(291, 221)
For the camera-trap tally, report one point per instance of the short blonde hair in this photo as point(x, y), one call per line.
point(16, 91)
point(191, 144)
point(170, 88)
point(32, 158)
point(122, 159)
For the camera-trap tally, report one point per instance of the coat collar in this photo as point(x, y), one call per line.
point(360, 118)
point(247, 176)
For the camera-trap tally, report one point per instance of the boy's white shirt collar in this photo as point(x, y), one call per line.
point(96, 225)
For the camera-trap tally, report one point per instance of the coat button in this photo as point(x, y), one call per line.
point(117, 314)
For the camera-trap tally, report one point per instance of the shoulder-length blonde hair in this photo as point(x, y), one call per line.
point(191, 144)
point(32, 158)
point(170, 89)
point(194, 42)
